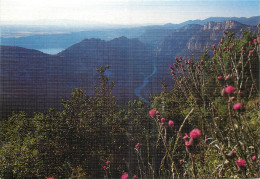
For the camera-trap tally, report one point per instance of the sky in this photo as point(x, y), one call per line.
point(125, 12)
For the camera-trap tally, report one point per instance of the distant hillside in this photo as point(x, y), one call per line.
point(29, 79)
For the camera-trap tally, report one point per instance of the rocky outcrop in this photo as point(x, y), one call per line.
point(197, 38)
point(227, 25)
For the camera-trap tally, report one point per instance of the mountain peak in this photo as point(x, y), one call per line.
point(90, 47)
point(124, 42)
point(91, 40)
point(121, 38)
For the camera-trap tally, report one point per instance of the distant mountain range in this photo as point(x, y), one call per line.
point(243, 20)
point(144, 33)
point(34, 81)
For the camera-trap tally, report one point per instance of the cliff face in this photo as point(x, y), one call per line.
point(223, 25)
point(194, 38)
point(214, 30)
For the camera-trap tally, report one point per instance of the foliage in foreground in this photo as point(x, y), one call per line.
point(207, 126)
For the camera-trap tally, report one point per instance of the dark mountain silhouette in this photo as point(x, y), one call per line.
point(129, 60)
point(34, 81)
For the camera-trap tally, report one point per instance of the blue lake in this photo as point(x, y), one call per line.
point(51, 51)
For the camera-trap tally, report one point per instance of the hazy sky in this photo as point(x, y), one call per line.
point(123, 11)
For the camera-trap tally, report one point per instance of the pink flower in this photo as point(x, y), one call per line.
point(237, 106)
point(181, 161)
point(134, 176)
point(152, 112)
point(220, 77)
point(250, 52)
point(201, 61)
point(254, 157)
point(171, 123)
point(227, 77)
point(258, 39)
point(137, 145)
point(124, 176)
point(171, 67)
point(186, 62)
point(175, 65)
point(104, 167)
point(186, 137)
point(108, 162)
point(240, 162)
point(214, 51)
point(176, 58)
point(163, 120)
point(255, 41)
point(189, 60)
point(214, 45)
point(195, 133)
point(249, 42)
point(229, 89)
point(188, 143)
point(50, 178)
